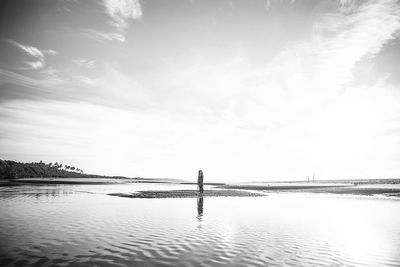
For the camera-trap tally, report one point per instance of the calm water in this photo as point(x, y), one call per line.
point(80, 224)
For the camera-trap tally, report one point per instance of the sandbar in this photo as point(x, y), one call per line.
point(188, 194)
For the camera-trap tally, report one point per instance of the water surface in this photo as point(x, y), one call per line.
point(67, 225)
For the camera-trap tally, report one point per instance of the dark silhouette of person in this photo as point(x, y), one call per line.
point(199, 208)
point(200, 182)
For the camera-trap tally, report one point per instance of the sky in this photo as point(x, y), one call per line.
point(258, 90)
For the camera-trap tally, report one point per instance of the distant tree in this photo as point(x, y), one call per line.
point(12, 170)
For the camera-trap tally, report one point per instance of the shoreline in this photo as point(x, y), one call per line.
point(391, 188)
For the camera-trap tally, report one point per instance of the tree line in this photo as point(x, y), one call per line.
point(12, 170)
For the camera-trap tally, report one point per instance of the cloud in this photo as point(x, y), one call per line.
point(117, 89)
point(305, 76)
point(30, 50)
point(36, 65)
point(90, 64)
point(120, 11)
point(315, 70)
point(34, 52)
point(112, 88)
point(14, 86)
point(50, 52)
point(50, 71)
point(268, 3)
point(52, 75)
point(342, 39)
point(15, 78)
point(86, 80)
point(103, 36)
point(314, 97)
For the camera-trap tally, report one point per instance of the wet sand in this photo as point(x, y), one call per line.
point(279, 187)
point(189, 194)
point(332, 189)
point(355, 190)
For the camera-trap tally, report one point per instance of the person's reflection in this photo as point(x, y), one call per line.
point(200, 208)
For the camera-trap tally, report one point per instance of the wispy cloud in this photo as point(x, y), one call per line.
point(14, 86)
point(30, 50)
point(86, 80)
point(36, 65)
point(103, 36)
point(121, 12)
point(110, 88)
point(34, 52)
point(310, 73)
point(268, 3)
point(53, 75)
point(90, 64)
point(342, 39)
point(19, 79)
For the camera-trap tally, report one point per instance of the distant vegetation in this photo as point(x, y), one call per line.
point(12, 170)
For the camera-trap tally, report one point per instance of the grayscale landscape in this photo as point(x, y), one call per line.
point(200, 133)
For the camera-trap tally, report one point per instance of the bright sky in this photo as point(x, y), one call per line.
point(245, 90)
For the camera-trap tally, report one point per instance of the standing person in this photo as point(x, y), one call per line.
point(200, 182)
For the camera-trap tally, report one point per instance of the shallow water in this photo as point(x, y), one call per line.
point(80, 224)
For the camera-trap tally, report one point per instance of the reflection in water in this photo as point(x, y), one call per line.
point(200, 208)
point(39, 192)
